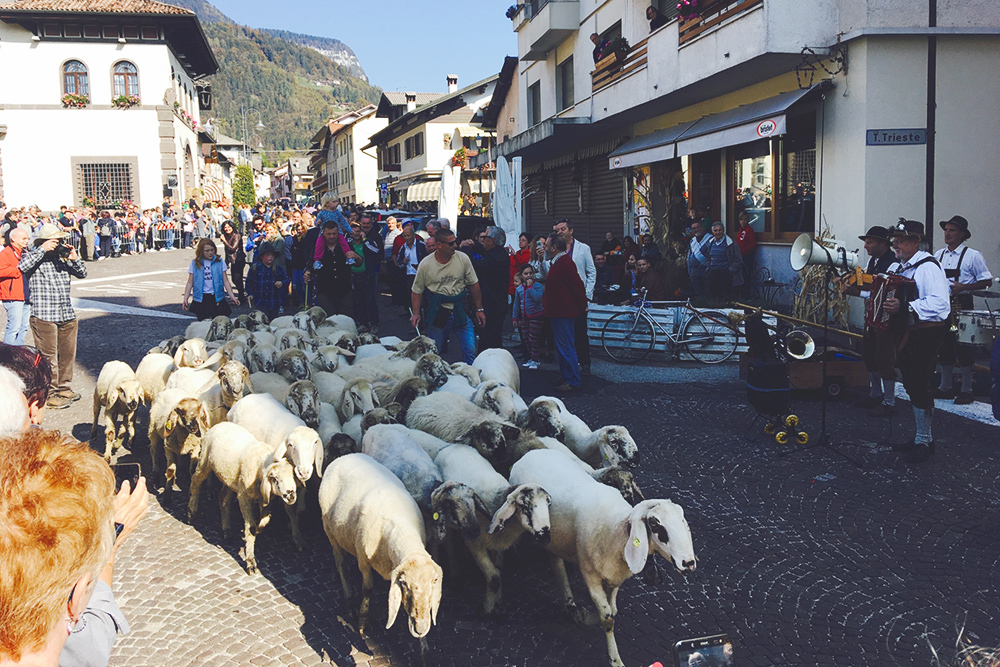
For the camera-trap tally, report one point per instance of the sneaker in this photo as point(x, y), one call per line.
point(920, 453)
point(944, 393)
point(530, 365)
point(869, 402)
point(566, 388)
point(880, 410)
point(57, 402)
point(964, 398)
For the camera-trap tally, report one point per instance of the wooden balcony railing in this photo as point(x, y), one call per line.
point(713, 13)
point(613, 67)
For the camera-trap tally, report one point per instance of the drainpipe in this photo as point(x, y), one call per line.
point(931, 122)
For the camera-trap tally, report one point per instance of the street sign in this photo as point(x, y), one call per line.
point(911, 137)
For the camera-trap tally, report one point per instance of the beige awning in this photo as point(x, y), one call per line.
point(213, 191)
point(424, 191)
point(476, 185)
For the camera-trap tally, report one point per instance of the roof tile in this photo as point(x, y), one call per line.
point(95, 6)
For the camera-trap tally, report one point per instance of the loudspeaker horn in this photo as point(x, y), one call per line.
point(806, 251)
point(799, 344)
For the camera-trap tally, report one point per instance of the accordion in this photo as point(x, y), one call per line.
point(889, 286)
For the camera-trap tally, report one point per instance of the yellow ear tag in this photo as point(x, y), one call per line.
point(170, 425)
point(637, 541)
point(436, 516)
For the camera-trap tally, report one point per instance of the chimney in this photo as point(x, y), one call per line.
point(452, 83)
point(411, 102)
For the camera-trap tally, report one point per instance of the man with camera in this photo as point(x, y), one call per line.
point(48, 265)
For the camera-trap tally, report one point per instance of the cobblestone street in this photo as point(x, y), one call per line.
point(804, 559)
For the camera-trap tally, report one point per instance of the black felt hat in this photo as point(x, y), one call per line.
point(908, 228)
point(877, 232)
point(959, 222)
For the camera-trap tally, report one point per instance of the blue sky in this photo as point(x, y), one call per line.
point(403, 45)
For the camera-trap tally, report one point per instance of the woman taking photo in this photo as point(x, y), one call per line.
point(208, 284)
point(236, 257)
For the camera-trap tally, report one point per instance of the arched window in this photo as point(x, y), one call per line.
point(75, 78)
point(126, 79)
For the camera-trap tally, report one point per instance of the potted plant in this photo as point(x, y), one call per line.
point(687, 10)
point(619, 46)
point(74, 101)
point(458, 159)
point(125, 101)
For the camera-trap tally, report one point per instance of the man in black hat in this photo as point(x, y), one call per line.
point(966, 271)
point(926, 325)
point(879, 346)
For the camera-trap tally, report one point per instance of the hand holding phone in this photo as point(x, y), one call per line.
point(714, 651)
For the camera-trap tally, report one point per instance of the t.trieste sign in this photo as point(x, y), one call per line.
point(914, 137)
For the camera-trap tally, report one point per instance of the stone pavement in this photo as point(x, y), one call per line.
point(804, 559)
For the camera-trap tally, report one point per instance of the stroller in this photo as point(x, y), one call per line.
point(768, 389)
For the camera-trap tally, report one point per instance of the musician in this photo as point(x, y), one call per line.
point(927, 314)
point(879, 346)
point(966, 271)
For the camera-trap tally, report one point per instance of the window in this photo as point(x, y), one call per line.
point(111, 32)
point(75, 78)
point(91, 31)
point(72, 31)
point(130, 32)
point(150, 32)
point(408, 148)
point(668, 8)
point(797, 200)
point(752, 183)
point(564, 84)
point(418, 144)
point(126, 79)
point(51, 30)
point(107, 182)
point(535, 103)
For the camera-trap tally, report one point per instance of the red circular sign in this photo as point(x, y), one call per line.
point(766, 128)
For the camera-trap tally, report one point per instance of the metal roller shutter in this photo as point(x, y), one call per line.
point(606, 202)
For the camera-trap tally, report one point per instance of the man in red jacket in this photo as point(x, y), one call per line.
point(12, 288)
point(564, 300)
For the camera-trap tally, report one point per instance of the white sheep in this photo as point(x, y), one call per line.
point(342, 323)
point(231, 350)
point(608, 445)
point(452, 418)
point(251, 471)
point(303, 402)
point(152, 373)
point(293, 365)
point(190, 379)
point(369, 514)
point(232, 382)
point(292, 339)
point(592, 525)
point(241, 335)
point(501, 502)
point(191, 353)
point(390, 341)
point(177, 422)
point(459, 384)
point(120, 394)
point(198, 330)
point(263, 337)
point(356, 398)
point(263, 358)
point(330, 386)
point(330, 357)
point(272, 384)
point(499, 398)
point(498, 364)
point(375, 350)
point(283, 322)
point(329, 423)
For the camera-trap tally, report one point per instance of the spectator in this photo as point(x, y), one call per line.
point(650, 250)
point(529, 314)
point(332, 276)
point(655, 18)
point(35, 373)
point(605, 274)
point(518, 258)
point(55, 593)
point(268, 282)
point(697, 259)
point(255, 236)
point(272, 234)
point(208, 284)
point(448, 279)
point(104, 226)
point(564, 300)
point(580, 253)
point(725, 268)
point(411, 251)
point(366, 281)
point(88, 231)
point(236, 257)
point(48, 266)
point(333, 211)
point(746, 239)
point(599, 46)
point(492, 265)
point(646, 276)
point(13, 288)
point(611, 249)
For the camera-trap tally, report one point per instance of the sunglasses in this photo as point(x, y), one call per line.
point(451, 243)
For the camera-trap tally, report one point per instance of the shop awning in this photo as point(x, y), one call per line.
point(424, 191)
point(750, 122)
point(213, 191)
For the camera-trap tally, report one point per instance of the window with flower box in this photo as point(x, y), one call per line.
point(126, 79)
point(75, 80)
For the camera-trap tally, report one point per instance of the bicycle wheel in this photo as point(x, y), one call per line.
point(627, 337)
point(707, 341)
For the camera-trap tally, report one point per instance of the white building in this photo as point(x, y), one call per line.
point(838, 113)
point(57, 55)
point(424, 133)
point(341, 170)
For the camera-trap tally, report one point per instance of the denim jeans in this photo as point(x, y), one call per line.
point(562, 331)
point(17, 322)
point(466, 337)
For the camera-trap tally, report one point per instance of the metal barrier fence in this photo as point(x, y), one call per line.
point(165, 235)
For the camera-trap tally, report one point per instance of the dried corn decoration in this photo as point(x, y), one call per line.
point(809, 298)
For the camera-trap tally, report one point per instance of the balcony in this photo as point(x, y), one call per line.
point(617, 65)
point(713, 13)
point(550, 22)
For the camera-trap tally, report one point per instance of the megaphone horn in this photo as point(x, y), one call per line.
point(806, 251)
point(799, 344)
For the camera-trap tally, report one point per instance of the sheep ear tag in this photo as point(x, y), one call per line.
point(436, 516)
point(170, 425)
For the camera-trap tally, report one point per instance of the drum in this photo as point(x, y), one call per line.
point(977, 327)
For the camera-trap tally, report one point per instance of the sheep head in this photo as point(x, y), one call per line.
point(432, 369)
point(234, 379)
point(263, 358)
point(496, 397)
point(242, 322)
point(409, 390)
point(279, 480)
point(317, 315)
point(357, 397)
point(368, 339)
point(387, 415)
point(259, 318)
point(488, 438)
point(303, 402)
point(340, 444)
point(236, 350)
point(191, 353)
point(455, 504)
point(617, 446)
point(220, 328)
point(623, 480)
point(293, 365)
point(415, 585)
point(659, 525)
point(189, 416)
point(171, 345)
point(305, 450)
point(303, 322)
point(129, 394)
point(417, 348)
point(530, 503)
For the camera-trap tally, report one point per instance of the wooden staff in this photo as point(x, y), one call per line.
point(796, 320)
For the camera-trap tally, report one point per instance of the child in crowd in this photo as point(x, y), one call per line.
point(268, 282)
point(528, 313)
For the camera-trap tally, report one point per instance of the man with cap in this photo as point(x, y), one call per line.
point(879, 346)
point(48, 266)
point(966, 271)
point(926, 325)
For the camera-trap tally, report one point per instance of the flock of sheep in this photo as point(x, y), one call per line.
point(409, 452)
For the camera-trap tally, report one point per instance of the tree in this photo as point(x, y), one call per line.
point(243, 189)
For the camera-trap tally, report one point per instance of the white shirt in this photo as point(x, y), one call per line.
point(933, 302)
point(974, 266)
point(411, 258)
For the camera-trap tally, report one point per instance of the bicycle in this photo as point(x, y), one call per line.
point(706, 335)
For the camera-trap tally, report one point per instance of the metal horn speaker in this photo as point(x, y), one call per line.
point(799, 345)
point(806, 251)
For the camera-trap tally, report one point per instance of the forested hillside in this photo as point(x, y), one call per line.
point(334, 49)
point(295, 88)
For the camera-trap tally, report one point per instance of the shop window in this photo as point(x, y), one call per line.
point(797, 212)
point(752, 183)
point(564, 84)
point(75, 80)
point(535, 103)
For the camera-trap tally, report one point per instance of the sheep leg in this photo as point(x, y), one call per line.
point(265, 517)
point(607, 615)
point(293, 512)
point(494, 586)
point(366, 594)
point(97, 414)
point(130, 427)
point(338, 558)
point(155, 452)
point(110, 436)
point(225, 500)
point(199, 477)
point(171, 472)
point(580, 616)
point(426, 657)
point(249, 536)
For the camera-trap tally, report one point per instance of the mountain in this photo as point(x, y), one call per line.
point(334, 49)
point(294, 87)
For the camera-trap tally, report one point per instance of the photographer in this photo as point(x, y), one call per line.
point(48, 266)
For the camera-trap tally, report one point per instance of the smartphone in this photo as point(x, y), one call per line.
point(714, 651)
point(130, 472)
